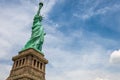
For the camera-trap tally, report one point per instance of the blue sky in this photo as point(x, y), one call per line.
point(82, 40)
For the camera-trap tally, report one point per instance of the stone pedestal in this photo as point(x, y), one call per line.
point(28, 65)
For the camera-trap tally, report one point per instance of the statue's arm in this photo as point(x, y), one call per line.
point(40, 6)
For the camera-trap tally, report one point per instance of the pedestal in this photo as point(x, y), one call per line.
point(28, 65)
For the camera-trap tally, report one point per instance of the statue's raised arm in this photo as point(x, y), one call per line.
point(40, 6)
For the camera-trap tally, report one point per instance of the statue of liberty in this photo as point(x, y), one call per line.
point(37, 36)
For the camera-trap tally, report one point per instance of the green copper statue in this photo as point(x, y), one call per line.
point(37, 37)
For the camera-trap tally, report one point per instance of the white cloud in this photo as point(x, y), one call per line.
point(72, 64)
point(91, 11)
point(4, 71)
point(115, 57)
point(48, 6)
point(12, 24)
point(101, 79)
point(82, 74)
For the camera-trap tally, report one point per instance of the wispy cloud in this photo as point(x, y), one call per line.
point(84, 75)
point(91, 11)
point(101, 79)
point(4, 71)
point(49, 4)
point(71, 64)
